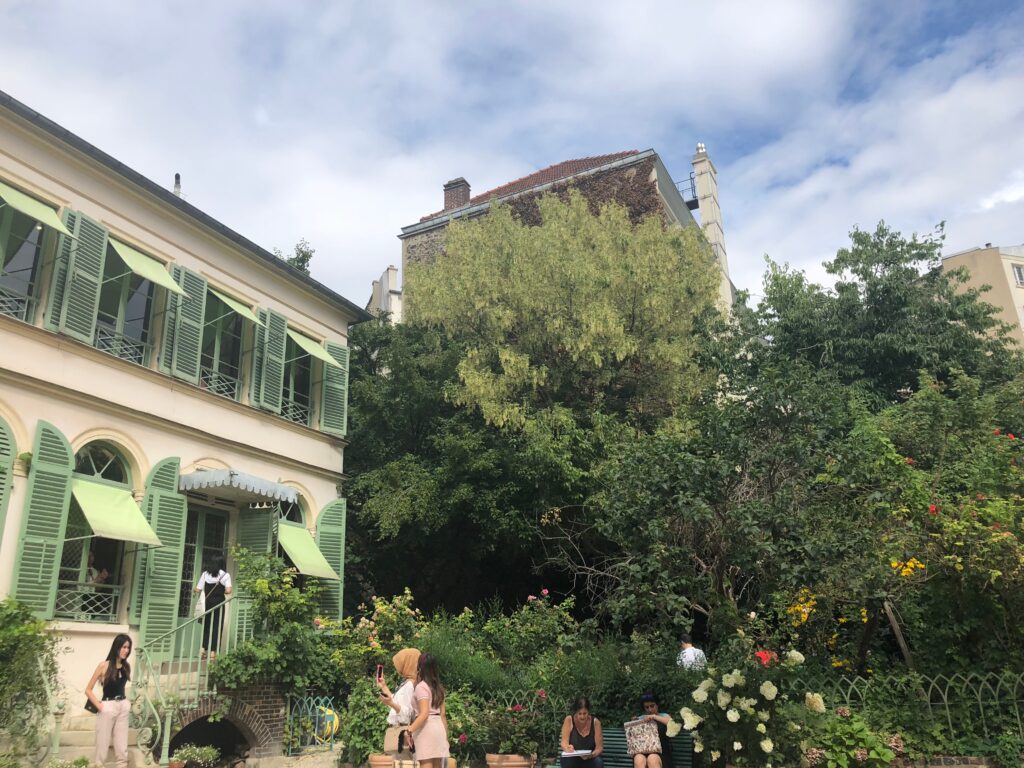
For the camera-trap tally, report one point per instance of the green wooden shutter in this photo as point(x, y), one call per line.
point(44, 520)
point(275, 344)
point(257, 531)
point(334, 402)
point(188, 333)
point(330, 538)
point(170, 323)
point(84, 279)
point(259, 338)
point(8, 451)
point(167, 510)
point(58, 280)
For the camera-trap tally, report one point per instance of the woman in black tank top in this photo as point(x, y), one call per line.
point(581, 732)
point(113, 709)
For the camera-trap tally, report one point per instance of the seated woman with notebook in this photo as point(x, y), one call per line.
point(582, 742)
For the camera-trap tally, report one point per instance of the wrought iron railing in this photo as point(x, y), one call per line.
point(312, 724)
point(218, 383)
point(295, 411)
point(14, 304)
point(958, 705)
point(173, 672)
point(85, 601)
point(117, 344)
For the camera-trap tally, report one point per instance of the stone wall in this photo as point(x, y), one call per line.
point(942, 762)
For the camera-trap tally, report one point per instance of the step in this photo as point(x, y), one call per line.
point(84, 738)
point(136, 758)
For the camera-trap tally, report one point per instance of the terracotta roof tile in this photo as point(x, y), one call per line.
point(556, 172)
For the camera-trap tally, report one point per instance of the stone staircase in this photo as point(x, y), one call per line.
point(78, 739)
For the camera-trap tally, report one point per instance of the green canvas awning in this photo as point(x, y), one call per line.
point(112, 513)
point(304, 552)
point(235, 305)
point(32, 208)
point(311, 348)
point(146, 266)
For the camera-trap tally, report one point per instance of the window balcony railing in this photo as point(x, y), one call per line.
point(117, 344)
point(82, 601)
point(14, 304)
point(218, 383)
point(295, 411)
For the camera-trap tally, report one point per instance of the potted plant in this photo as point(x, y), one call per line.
point(193, 756)
point(513, 734)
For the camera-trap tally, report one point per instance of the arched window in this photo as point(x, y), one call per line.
point(90, 575)
point(291, 511)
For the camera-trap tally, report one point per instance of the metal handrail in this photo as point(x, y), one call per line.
point(174, 673)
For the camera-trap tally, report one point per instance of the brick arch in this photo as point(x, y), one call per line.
point(243, 716)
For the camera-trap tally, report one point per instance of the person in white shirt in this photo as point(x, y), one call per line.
point(215, 584)
point(690, 657)
point(401, 703)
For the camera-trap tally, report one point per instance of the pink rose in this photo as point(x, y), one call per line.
point(544, 592)
point(463, 738)
point(531, 598)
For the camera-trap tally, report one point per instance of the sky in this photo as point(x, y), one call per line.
point(340, 121)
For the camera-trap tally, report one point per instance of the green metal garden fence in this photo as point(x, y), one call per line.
point(312, 724)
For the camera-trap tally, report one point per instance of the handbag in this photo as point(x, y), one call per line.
point(396, 739)
point(642, 737)
point(200, 608)
point(90, 707)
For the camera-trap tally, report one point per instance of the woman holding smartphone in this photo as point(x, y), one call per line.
point(402, 702)
point(430, 728)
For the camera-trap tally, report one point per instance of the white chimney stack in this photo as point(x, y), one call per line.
point(706, 184)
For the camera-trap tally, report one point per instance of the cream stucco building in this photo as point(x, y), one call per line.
point(1001, 268)
point(167, 389)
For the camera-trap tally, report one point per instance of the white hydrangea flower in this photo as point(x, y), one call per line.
point(737, 746)
point(733, 716)
point(768, 690)
point(767, 745)
point(794, 658)
point(698, 745)
point(707, 685)
point(764, 716)
point(715, 754)
point(699, 695)
point(761, 728)
point(672, 729)
point(690, 718)
point(724, 699)
point(814, 702)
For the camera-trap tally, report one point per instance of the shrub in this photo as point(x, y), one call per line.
point(364, 722)
point(194, 756)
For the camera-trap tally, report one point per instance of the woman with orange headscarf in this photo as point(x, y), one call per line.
point(402, 702)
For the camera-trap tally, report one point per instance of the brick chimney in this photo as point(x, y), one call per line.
point(456, 194)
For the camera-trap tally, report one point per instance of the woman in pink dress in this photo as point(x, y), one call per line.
point(430, 728)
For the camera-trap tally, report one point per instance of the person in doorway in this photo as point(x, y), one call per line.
point(649, 704)
point(113, 708)
point(430, 728)
point(215, 584)
point(689, 656)
point(401, 703)
point(581, 732)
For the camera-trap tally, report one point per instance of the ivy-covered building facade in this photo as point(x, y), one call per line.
point(167, 389)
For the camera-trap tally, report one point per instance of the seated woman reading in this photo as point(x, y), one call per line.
point(581, 732)
point(649, 703)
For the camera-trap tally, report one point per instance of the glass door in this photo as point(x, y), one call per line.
point(206, 537)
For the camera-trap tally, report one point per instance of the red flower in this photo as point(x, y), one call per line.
point(932, 509)
point(1009, 436)
point(541, 693)
point(909, 460)
point(463, 738)
point(996, 431)
point(516, 708)
point(766, 657)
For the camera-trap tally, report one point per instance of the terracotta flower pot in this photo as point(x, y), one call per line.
point(510, 761)
point(381, 761)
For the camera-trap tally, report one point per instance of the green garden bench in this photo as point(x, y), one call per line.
point(616, 756)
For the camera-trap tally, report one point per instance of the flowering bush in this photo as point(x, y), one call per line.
point(741, 711)
point(518, 729)
point(844, 740)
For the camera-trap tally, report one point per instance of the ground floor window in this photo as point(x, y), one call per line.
point(89, 582)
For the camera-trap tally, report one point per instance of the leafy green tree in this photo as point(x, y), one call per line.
point(583, 312)
point(301, 255)
point(892, 313)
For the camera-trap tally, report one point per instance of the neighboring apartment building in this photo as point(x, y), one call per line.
point(386, 296)
point(637, 180)
point(1002, 268)
point(167, 389)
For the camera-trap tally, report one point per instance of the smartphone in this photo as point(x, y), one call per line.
point(380, 671)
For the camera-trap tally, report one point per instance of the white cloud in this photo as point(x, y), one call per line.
point(340, 122)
